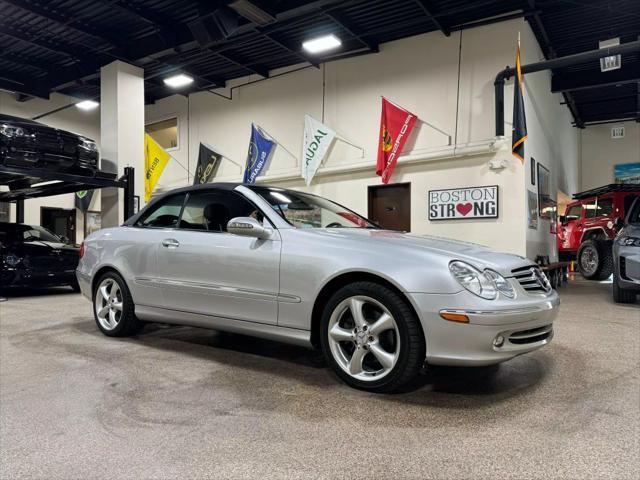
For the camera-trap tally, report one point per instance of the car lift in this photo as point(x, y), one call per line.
point(57, 183)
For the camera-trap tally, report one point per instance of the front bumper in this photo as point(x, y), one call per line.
point(525, 324)
point(627, 265)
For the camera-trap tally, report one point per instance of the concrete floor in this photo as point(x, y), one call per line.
point(179, 402)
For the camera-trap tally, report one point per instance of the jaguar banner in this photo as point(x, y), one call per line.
point(316, 143)
point(208, 163)
point(396, 125)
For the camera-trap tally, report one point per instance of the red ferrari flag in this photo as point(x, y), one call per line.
point(396, 124)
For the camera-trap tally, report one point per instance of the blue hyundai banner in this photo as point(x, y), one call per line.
point(260, 148)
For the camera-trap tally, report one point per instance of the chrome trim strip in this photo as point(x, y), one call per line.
point(214, 289)
point(262, 330)
point(510, 311)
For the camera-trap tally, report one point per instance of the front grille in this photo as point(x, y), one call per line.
point(532, 335)
point(532, 279)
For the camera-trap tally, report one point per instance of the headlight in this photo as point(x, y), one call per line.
point(88, 144)
point(11, 131)
point(11, 260)
point(629, 241)
point(501, 283)
point(473, 280)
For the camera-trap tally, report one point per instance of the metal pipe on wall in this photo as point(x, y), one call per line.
point(559, 62)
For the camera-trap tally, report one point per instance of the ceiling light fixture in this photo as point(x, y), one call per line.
point(178, 81)
point(42, 184)
point(321, 44)
point(87, 105)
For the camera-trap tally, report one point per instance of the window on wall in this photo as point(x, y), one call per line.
point(165, 132)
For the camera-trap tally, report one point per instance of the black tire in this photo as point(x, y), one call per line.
point(620, 295)
point(411, 352)
point(128, 324)
point(601, 251)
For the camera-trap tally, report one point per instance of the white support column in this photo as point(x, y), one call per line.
point(121, 133)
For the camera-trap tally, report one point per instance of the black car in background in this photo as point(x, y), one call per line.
point(32, 256)
point(25, 143)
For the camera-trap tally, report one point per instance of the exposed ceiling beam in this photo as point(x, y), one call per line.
point(24, 86)
point(25, 60)
point(571, 82)
point(549, 52)
point(291, 49)
point(64, 20)
point(338, 17)
point(430, 11)
point(244, 63)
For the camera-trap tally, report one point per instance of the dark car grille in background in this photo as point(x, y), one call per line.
point(532, 279)
point(531, 336)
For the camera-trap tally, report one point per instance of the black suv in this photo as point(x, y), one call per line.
point(25, 143)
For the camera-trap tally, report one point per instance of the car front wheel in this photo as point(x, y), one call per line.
point(113, 307)
point(372, 338)
point(595, 259)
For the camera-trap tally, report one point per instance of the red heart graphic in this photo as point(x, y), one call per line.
point(464, 208)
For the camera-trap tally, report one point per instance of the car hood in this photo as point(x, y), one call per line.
point(477, 255)
point(37, 126)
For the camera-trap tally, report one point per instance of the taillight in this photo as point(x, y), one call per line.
point(81, 252)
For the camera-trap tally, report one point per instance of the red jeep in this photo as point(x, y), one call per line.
point(588, 227)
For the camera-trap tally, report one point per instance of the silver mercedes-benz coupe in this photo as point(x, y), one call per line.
point(291, 266)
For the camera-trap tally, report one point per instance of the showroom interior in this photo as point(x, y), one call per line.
point(521, 133)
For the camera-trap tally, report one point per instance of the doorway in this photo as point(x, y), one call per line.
point(60, 221)
point(390, 206)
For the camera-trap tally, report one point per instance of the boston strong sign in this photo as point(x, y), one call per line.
point(463, 203)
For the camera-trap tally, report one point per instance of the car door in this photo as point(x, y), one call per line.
point(203, 269)
point(140, 251)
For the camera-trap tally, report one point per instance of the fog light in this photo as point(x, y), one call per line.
point(498, 341)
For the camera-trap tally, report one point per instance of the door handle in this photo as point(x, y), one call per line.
point(170, 243)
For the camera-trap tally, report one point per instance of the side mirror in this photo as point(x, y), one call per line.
point(248, 227)
point(563, 220)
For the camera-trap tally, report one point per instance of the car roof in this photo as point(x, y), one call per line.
point(612, 187)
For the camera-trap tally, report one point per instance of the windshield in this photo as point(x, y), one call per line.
point(27, 233)
point(309, 211)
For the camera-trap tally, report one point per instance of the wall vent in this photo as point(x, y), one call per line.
point(617, 132)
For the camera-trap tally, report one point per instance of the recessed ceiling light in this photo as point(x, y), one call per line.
point(178, 81)
point(322, 44)
point(87, 105)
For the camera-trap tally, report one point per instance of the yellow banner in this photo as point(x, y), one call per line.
point(155, 159)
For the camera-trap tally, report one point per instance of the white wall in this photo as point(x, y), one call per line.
point(552, 142)
point(421, 74)
point(600, 152)
point(86, 123)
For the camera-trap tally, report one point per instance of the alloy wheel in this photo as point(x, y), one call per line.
point(589, 260)
point(108, 304)
point(364, 338)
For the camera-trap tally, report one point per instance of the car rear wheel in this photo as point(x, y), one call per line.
point(372, 338)
point(595, 259)
point(620, 295)
point(113, 307)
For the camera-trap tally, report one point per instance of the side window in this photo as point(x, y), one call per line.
point(164, 214)
point(573, 213)
point(211, 210)
point(605, 207)
point(591, 209)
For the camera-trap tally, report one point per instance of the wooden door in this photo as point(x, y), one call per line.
point(390, 206)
